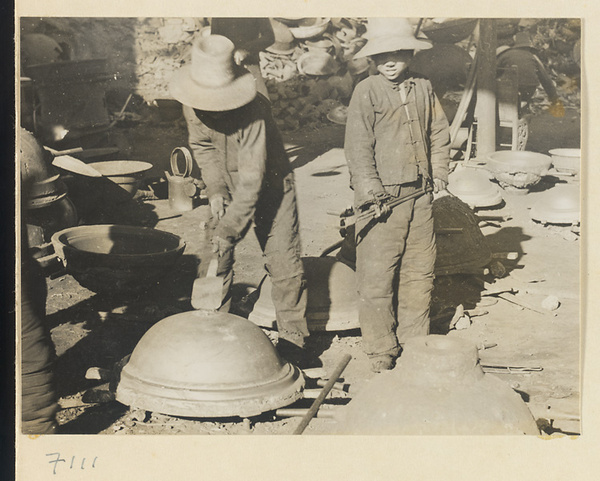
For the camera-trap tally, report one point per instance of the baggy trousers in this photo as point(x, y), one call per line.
point(277, 231)
point(38, 396)
point(395, 260)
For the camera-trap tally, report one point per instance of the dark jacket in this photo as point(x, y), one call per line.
point(379, 146)
point(530, 70)
point(242, 158)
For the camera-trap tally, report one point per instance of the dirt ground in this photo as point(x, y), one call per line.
point(91, 330)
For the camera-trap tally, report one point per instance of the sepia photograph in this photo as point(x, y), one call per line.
point(299, 226)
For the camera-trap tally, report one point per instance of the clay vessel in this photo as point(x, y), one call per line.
point(437, 387)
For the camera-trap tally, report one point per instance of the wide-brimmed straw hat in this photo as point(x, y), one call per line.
point(390, 35)
point(213, 81)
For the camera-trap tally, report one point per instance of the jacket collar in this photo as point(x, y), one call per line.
point(405, 78)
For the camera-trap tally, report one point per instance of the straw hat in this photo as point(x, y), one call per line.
point(389, 35)
point(284, 40)
point(212, 81)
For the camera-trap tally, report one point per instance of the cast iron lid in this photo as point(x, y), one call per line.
point(207, 364)
point(332, 297)
point(559, 205)
point(474, 188)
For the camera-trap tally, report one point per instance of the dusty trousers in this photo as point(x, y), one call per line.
point(395, 260)
point(38, 396)
point(276, 227)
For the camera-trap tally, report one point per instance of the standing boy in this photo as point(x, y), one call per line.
point(397, 144)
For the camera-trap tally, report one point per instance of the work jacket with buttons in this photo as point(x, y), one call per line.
point(390, 142)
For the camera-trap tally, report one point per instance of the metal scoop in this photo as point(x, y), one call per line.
point(207, 292)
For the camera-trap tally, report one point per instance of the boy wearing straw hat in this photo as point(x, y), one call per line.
point(397, 145)
point(237, 146)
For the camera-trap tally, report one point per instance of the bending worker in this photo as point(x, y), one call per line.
point(249, 178)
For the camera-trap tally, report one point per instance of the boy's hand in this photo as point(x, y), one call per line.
point(217, 207)
point(380, 210)
point(439, 185)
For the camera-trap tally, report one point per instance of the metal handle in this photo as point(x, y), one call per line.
point(188, 162)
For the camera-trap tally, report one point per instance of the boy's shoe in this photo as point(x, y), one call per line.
point(384, 362)
point(296, 355)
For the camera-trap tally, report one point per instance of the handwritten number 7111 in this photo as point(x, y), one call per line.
point(73, 463)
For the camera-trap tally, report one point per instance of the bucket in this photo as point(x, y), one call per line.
point(181, 184)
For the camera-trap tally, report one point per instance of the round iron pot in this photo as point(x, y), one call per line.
point(518, 170)
point(566, 160)
point(124, 173)
point(117, 258)
point(207, 364)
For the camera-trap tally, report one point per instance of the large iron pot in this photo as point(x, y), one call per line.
point(116, 258)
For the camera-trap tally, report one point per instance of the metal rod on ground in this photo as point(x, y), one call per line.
point(510, 298)
point(338, 386)
point(317, 402)
point(298, 412)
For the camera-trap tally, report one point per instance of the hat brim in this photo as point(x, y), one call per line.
point(391, 44)
point(236, 94)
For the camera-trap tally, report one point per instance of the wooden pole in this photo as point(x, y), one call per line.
point(485, 110)
point(321, 397)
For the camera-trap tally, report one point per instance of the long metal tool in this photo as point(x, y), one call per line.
point(72, 164)
point(391, 204)
point(317, 402)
